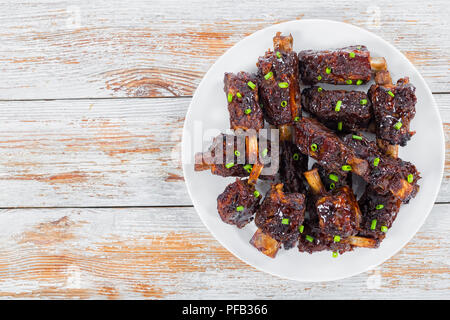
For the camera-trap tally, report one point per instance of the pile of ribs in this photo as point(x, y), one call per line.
point(327, 139)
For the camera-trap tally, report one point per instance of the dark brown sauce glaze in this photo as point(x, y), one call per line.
point(355, 109)
point(292, 165)
point(245, 111)
point(281, 105)
point(281, 214)
point(238, 203)
point(394, 104)
point(313, 65)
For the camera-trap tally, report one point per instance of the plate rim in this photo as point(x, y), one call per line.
point(429, 206)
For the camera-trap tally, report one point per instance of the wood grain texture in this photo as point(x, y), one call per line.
point(91, 49)
point(111, 152)
point(133, 253)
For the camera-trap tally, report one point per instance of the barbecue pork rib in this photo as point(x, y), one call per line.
point(394, 108)
point(349, 65)
point(339, 110)
point(278, 82)
point(280, 215)
point(243, 102)
point(238, 203)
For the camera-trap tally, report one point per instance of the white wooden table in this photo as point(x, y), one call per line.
point(93, 96)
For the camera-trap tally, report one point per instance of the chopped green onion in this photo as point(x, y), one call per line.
point(314, 147)
point(283, 84)
point(238, 94)
point(379, 206)
point(264, 152)
point(230, 97)
point(356, 137)
point(237, 153)
point(319, 77)
point(268, 75)
point(348, 81)
point(256, 193)
point(333, 177)
point(347, 168)
point(363, 101)
point(335, 254)
point(278, 54)
point(251, 85)
point(284, 103)
point(391, 94)
point(319, 89)
point(309, 238)
point(351, 54)
point(229, 165)
point(410, 178)
point(248, 111)
point(285, 221)
point(373, 224)
point(376, 161)
point(248, 168)
point(301, 228)
point(296, 119)
point(240, 208)
point(328, 70)
point(398, 125)
point(358, 82)
point(338, 106)
point(296, 156)
point(340, 126)
point(332, 186)
point(336, 238)
point(358, 47)
point(384, 229)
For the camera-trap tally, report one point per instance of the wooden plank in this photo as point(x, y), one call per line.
point(134, 253)
point(113, 152)
point(163, 48)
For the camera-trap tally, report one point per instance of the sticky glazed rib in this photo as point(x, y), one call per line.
point(292, 165)
point(339, 110)
point(386, 174)
point(334, 219)
point(280, 215)
point(378, 213)
point(319, 142)
point(278, 79)
point(238, 203)
point(348, 65)
point(394, 108)
point(243, 102)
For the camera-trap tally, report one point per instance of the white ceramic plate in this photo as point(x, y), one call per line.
point(209, 110)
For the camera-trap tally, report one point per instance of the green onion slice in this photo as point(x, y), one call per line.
point(238, 94)
point(391, 94)
point(338, 106)
point(398, 125)
point(356, 137)
point(336, 238)
point(285, 221)
point(278, 54)
point(296, 156)
point(230, 97)
point(358, 82)
point(335, 254)
point(237, 153)
point(296, 119)
point(384, 229)
point(348, 81)
point(301, 228)
point(284, 103)
point(379, 206)
point(333, 177)
point(351, 54)
point(340, 126)
point(376, 161)
point(332, 186)
point(410, 178)
point(319, 89)
point(328, 70)
point(363, 101)
point(319, 77)
point(373, 224)
point(283, 85)
point(248, 168)
point(248, 111)
point(314, 147)
point(251, 85)
point(240, 208)
point(347, 168)
point(268, 75)
point(309, 238)
point(229, 165)
point(256, 193)
point(264, 152)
